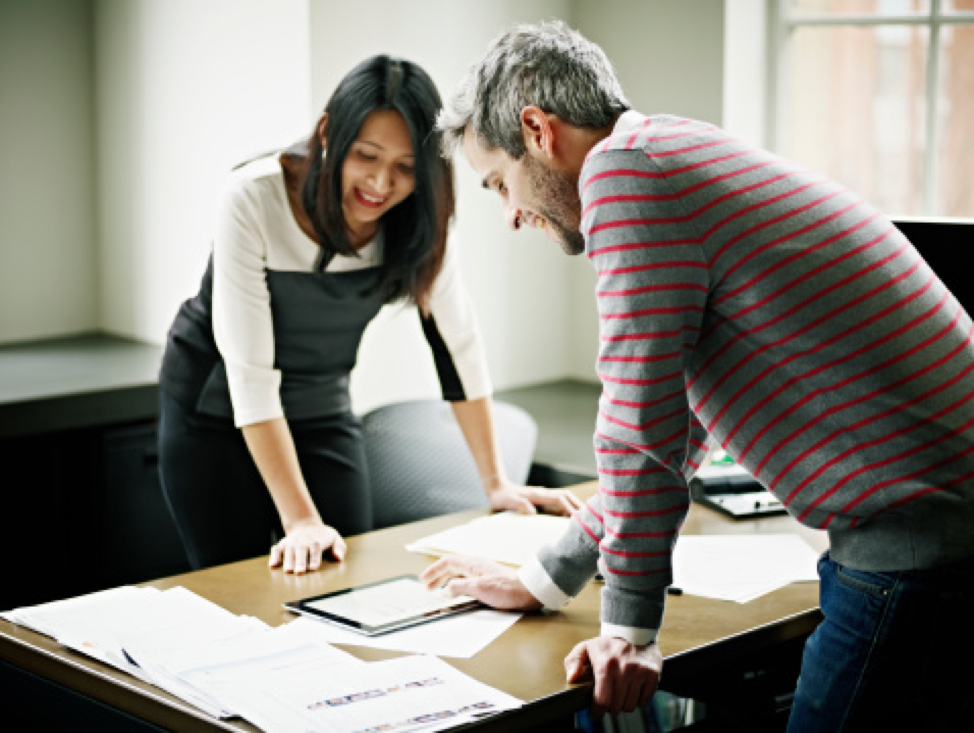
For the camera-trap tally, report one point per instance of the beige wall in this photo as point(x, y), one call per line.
point(48, 273)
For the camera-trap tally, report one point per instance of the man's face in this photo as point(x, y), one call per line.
point(531, 192)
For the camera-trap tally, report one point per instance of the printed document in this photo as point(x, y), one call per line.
point(397, 695)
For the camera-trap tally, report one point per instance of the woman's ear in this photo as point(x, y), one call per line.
point(323, 130)
point(538, 132)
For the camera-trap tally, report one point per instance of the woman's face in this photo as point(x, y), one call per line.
point(379, 171)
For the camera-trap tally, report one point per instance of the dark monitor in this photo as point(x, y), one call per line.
point(947, 245)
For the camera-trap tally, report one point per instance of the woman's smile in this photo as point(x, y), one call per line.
point(370, 200)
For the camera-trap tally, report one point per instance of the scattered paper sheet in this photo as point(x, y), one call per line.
point(397, 695)
point(506, 537)
point(741, 567)
point(460, 636)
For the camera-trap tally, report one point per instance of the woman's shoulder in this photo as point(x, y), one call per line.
point(255, 171)
point(255, 180)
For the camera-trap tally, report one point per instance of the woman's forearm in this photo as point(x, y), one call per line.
point(476, 421)
point(272, 447)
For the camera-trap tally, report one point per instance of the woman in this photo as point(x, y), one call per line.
point(256, 429)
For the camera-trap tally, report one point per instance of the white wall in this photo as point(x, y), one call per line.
point(185, 88)
point(47, 173)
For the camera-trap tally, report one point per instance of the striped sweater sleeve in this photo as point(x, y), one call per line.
point(651, 293)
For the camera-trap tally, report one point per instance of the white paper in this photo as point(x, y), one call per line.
point(741, 567)
point(506, 537)
point(398, 695)
point(104, 625)
point(460, 636)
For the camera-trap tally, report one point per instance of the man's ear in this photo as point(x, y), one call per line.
point(323, 130)
point(538, 132)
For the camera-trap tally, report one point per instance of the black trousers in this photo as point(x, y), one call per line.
point(222, 508)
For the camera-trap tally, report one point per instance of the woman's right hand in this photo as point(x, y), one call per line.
point(305, 544)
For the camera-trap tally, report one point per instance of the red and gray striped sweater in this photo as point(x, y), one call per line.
point(745, 297)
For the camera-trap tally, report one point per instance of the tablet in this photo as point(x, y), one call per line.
point(384, 606)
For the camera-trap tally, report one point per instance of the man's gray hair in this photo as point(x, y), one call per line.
point(548, 65)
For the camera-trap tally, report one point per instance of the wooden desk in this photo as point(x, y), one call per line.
point(526, 661)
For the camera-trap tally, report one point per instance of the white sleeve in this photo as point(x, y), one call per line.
point(242, 323)
point(454, 334)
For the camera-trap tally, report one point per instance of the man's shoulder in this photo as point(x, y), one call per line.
point(638, 138)
point(634, 132)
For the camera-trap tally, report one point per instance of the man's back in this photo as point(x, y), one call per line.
point(803, 329)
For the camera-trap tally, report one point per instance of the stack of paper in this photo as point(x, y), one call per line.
point(281, 679)
point(506, 537)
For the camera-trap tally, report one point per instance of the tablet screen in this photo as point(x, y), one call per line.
point(383, 606)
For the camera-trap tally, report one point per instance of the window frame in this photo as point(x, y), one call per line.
point(781, 24)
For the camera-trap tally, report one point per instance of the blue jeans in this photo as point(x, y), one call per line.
point(895, 652)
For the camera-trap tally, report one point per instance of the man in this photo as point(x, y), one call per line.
point(744, 298)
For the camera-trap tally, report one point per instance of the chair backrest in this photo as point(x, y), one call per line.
point(419, 464)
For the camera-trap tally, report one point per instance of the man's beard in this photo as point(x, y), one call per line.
point(559, 203)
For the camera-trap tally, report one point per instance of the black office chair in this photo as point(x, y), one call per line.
point(419, 463)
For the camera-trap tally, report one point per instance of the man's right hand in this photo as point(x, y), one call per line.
point(489, 582)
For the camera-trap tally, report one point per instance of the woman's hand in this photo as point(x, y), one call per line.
point(489, 582)
point(302, 549)
point(528, 499)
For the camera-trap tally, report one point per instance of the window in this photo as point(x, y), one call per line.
point(879, 94)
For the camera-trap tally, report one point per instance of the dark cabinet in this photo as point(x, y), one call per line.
point(81, 507)
point(138, 540)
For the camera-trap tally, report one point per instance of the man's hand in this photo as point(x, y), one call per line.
point(528, 499)
point(489, 582)
point(625, 675)
point(301, 550)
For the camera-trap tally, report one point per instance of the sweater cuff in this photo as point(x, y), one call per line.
point(639, 637)
point(536, 579)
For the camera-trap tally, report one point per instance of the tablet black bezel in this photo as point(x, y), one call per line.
point(301, 606)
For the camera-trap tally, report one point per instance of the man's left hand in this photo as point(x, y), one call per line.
point(626, 676)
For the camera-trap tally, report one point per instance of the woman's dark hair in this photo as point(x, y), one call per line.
point(416, 229)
